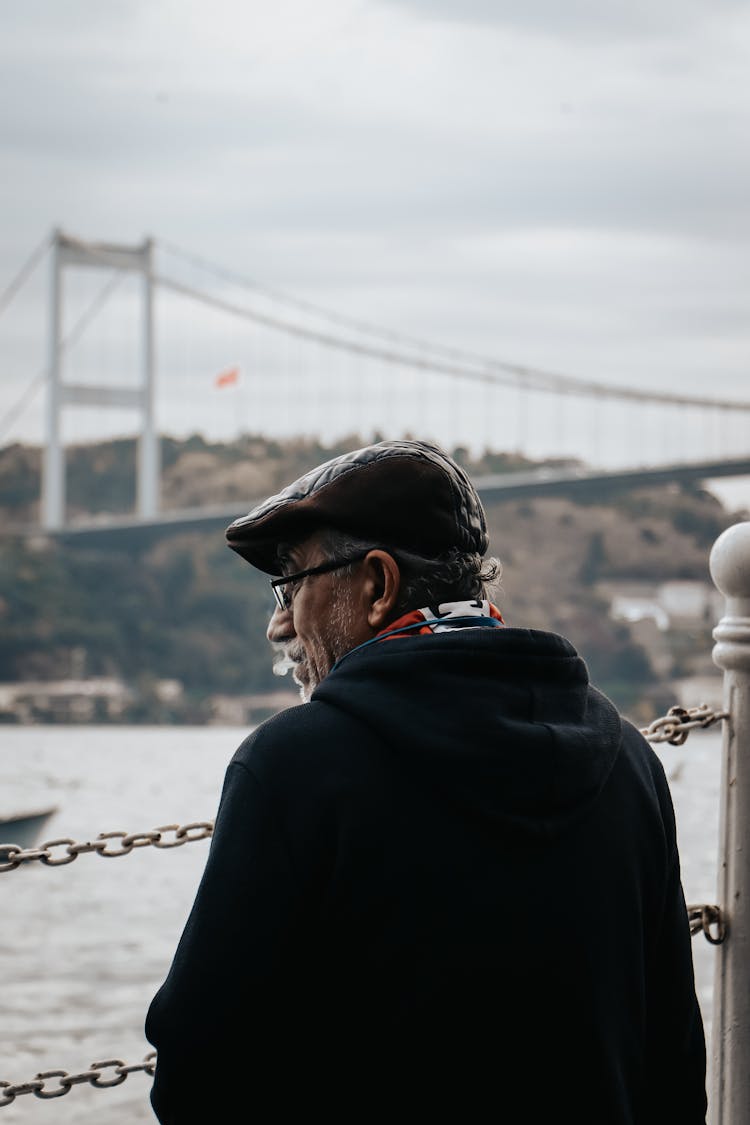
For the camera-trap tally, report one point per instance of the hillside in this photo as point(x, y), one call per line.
point(101, 477)
point(188, 612)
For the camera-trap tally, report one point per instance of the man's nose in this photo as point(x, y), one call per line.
point(281, 626)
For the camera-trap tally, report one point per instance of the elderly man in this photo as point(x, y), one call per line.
point(448, 886)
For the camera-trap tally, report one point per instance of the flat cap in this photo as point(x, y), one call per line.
point(407, 494)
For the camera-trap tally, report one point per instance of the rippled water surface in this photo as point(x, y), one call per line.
point(84, 947)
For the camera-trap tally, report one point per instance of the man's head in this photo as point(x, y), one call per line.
point(361, 540)
point(329, 612)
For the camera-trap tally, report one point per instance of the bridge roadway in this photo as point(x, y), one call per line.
point(583, 483)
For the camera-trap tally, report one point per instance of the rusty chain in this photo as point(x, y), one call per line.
point(95, 1076)
point(702, 917)
point(709, 920)
point(672, 728)
point(675, 726)
point(60, 852)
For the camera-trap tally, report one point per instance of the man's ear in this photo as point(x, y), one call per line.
point(381, 587)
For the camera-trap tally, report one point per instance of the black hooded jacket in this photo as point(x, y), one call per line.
point(448, 887)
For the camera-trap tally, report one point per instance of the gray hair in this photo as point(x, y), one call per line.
point(454, 576)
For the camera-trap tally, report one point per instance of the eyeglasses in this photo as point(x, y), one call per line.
point(279, 585)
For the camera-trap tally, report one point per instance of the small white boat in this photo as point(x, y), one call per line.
point(23, 829)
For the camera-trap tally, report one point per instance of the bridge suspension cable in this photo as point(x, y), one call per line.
point(11, 415)
point(456, 363)
point(17, 408)
point(25, 271)
point(536, 378)
point(475, 369)
point(284, 298)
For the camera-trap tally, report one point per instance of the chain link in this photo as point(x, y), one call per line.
point(672, 728)
point(702, 917)
point(675, 726)
point(96, 1075)
point(58, 853)
point(709, 920)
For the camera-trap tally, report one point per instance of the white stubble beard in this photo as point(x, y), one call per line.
point(338, 631)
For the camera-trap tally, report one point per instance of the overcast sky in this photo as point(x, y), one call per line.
point(561, 185)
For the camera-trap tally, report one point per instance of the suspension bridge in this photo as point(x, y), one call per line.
point(183, 344)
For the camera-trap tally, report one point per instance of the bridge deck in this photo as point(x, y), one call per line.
point(108, 531)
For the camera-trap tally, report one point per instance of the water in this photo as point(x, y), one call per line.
point(84, 947)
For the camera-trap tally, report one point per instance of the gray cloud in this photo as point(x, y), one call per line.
point(288, 164)
point(636, 148)
point(585, 19)
point(573, 206)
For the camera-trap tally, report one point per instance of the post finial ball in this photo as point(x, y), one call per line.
point(730, 561)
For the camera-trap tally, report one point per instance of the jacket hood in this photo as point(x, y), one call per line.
point(502, 721)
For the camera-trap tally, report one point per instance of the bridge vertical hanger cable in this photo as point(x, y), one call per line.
point(742, 438)
point(465, 403)
point(246, 374)
point(683, 434)
point(437, 397)
point(262, 375)
point(669, 425)
point(256, 376)
point(520, 417)
point(687, 435)
point(486, 418)
point(316, 372)
point(680, 431)
point(337, 364)
point(190, 370)
point(385, 419)
point(379, 398)
point(563, 423)
point(694, 431)
point(235, 400)
point(294, 370)
point(595, 422)
point(646, 429)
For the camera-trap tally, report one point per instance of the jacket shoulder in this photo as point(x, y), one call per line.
point(303, 739)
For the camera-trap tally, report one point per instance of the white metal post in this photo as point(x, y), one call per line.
point(730, 1085)
point(53, 474)
point(148, 443)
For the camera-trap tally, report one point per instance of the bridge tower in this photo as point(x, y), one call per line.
point(67, 251)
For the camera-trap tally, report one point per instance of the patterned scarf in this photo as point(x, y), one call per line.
point(442, 619)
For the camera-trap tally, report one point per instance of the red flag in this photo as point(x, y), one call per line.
point(228, 378)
